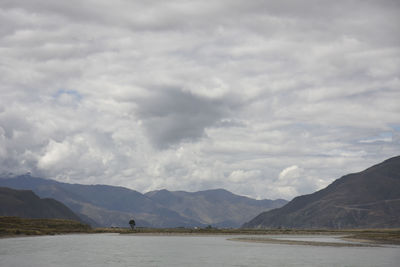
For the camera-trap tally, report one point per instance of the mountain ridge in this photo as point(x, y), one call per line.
point(367, 199)
point(105, 205)
point(26, 204)
point(207, 206)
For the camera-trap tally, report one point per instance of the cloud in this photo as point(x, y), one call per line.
point(290, 173)
point(172, 116)
point(193, 95)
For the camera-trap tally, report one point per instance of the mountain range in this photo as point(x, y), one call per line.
point(368, 199)
point(104, 205)
point(26, 204)
point(217, 207)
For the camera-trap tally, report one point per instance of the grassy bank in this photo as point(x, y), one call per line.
point(15, 226)
point(382, 236)
point(232, 231)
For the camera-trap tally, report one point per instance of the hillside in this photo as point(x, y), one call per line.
point(104, 205)
point(368, 199)
point(216, 207)
point(26, 204)
point(101, 205)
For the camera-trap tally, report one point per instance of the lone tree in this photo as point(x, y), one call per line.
point(132, 223)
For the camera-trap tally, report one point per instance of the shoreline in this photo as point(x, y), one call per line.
point(262, 239)
point(303, 243)
point(11, 227)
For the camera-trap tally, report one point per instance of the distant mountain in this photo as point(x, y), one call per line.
point(103, 205)
point(26, 204)
point(368, 199)
point(216, 207)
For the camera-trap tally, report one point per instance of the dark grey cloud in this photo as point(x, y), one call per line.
point(172, 116)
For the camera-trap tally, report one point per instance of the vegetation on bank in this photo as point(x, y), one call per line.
point(382, 236)
point(15, 226)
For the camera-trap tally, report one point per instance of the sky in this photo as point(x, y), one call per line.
point(268, 99)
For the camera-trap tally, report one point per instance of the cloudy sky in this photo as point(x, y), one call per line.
point(268, 99)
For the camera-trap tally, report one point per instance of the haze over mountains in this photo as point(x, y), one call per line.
point(218, 207)
point(102, 205)
point(368, 199)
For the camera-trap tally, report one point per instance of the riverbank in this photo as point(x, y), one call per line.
point(369, 237)
point(15, 226)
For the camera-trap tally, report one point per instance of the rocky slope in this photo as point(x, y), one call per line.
point(368, 199)
point(26, 204)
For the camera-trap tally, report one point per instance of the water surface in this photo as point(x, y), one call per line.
point(133, 250)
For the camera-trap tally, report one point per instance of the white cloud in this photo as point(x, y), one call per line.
point(55, 153)
point(243, 176)
point(193, 95)
point(290, 173)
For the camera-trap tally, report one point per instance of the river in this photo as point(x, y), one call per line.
point(134, 250)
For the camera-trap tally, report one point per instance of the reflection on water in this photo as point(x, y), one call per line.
point(131, 250)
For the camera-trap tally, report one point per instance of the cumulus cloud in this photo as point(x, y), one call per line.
point(294, 181)
point(267, 99)
point(290, 173)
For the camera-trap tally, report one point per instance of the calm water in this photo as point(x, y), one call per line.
point(128, 250)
